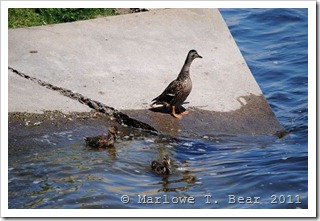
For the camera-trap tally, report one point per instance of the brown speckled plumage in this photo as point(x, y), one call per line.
point(179, 89)
point(162, 168)
point(103, 141)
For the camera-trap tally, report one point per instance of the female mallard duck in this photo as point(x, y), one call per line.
point(103, 141)
point(162, 168)
point(179, 89)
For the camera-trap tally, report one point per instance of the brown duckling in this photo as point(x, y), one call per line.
point(162, 168)
point(103, 141)
point(179, 89)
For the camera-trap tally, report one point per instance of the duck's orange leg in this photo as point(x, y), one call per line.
point(174, 113)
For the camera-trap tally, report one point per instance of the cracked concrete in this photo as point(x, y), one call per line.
point(120, 117)
point(123, 62)
point(26, 96)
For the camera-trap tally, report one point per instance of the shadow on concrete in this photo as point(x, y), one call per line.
point(167, 110)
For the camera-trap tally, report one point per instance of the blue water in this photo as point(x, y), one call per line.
point(274, 43)
point(271, 171)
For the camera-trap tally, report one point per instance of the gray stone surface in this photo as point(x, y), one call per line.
point(27, 96)
point(125, 61)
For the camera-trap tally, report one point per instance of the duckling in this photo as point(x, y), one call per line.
point(162, 168)
point(103, 141)
point(179, 89)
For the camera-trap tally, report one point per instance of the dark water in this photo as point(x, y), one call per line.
point(67, 175)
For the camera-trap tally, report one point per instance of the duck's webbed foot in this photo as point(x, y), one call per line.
point(185, 112)
point(179, 116)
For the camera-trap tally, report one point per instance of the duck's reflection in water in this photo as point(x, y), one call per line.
point(112, 152)
point(188, 180)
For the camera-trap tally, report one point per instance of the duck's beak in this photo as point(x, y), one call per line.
point(199, 56)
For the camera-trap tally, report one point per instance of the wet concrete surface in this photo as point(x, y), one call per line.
point(251, 119)
point(197, 123)
point(23, 127)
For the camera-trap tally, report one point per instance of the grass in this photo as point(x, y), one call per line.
point(26, 17)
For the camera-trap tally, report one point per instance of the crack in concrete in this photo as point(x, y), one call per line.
point(120, 117)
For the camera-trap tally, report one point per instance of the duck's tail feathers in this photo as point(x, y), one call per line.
point(162, 100)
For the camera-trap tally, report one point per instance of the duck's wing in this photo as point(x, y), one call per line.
point(169, 93)
point(155, 164)
point(89, 140)
point(94, 141)
point(110, 140)
point(168, 171)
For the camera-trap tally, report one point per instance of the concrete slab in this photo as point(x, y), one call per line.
point(125, 61)
point(26, 96)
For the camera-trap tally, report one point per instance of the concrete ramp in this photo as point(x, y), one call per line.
point(125, 61)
